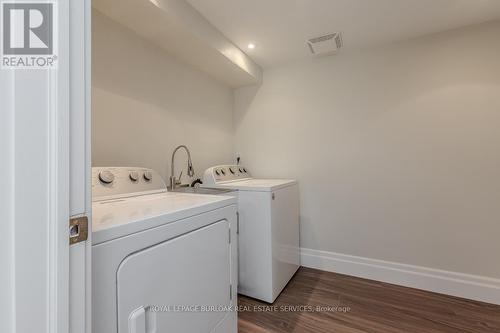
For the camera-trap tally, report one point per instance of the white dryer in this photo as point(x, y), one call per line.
point(161, 261)
point(268, 229)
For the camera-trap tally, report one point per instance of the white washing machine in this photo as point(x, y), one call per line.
point(161, 261)
point(268, 238)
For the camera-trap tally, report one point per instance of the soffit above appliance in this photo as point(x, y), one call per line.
point(176, 27)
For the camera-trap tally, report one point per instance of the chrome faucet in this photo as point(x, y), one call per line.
point(190, 171)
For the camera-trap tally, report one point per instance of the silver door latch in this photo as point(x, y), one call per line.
point(78, 229)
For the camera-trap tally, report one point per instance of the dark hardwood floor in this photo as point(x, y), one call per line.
point(363, 306)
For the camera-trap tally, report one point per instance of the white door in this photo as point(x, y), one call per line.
point(38, 110)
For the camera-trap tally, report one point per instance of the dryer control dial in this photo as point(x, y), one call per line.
point(148, 176)
point(106, 177)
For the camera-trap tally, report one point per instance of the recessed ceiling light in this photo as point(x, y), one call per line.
point(251, 46)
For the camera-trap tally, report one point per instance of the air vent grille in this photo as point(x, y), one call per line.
point(327, 44)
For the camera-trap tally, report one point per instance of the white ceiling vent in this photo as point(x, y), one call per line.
point(325, 45)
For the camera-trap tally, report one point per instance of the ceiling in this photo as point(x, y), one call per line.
point(279, 28)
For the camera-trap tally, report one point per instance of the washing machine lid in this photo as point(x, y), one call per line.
point(255, 184)
point(116, 218)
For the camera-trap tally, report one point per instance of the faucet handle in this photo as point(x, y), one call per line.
point(180, 176)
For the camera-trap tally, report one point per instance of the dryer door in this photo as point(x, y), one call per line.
point(190, 271)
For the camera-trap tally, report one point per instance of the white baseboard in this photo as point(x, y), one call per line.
point(473, 287)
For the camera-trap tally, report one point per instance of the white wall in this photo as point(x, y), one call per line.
point(396, 148)
point(145, 103)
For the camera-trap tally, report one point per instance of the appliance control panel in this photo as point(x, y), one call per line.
point(116, 182)
point(225, 173)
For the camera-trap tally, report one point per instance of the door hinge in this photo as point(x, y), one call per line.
point(229, 235)
point(78, 229)
point(230, 292)
point(237, 223)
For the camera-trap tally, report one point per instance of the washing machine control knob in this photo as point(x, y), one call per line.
point(134, 176)
point(106, 177)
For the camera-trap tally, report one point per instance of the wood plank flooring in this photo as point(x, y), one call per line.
point(363, 306)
